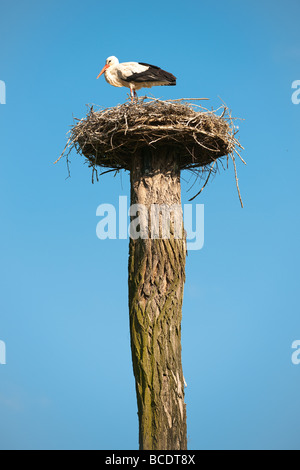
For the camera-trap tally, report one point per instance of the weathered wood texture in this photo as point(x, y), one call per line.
point(156, 285)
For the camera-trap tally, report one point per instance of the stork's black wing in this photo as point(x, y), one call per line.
point(152, 74)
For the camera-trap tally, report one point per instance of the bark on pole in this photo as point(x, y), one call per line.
point(156, 284)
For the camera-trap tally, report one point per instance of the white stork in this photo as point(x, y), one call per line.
point(135, 75)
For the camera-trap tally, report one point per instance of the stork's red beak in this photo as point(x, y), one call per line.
point(103, 70)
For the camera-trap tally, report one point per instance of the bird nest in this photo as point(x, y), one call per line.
point(108, 138)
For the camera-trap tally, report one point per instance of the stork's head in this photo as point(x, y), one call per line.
point(110, 61)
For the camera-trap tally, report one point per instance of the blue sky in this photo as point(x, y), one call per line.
point(68, 381)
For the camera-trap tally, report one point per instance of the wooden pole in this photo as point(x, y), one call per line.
point(156, 285)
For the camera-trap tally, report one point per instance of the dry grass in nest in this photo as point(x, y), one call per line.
point(108, 138)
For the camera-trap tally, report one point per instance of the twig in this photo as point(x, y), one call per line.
point(67, 145)
point(237, 180)
point(210, 171)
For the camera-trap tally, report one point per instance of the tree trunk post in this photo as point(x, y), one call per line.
point(156, 284)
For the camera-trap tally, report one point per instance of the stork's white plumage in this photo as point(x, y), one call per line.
point(135, 75)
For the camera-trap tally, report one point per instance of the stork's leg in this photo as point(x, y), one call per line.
point(135, 94)
point(132, 94)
